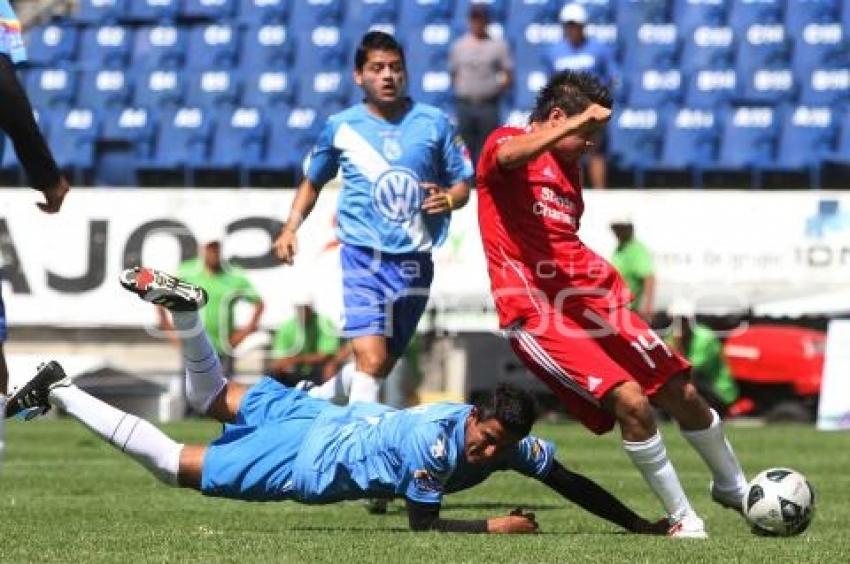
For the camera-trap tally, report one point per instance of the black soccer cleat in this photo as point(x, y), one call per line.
point(33, 394)
point(159, 288)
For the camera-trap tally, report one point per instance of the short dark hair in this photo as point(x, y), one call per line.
point(571, 91)
point(514, 408)
point(376, 41)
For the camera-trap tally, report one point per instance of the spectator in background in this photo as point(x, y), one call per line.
point(305, 346)
point(226, 285)
point(482, 71)
point(634, 262)
point(578, 52)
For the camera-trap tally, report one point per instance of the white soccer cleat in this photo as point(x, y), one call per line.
point(688, 527)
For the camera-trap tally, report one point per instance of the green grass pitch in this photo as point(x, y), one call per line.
point(67, 497)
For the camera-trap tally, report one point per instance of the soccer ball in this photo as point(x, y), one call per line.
point(779, 502)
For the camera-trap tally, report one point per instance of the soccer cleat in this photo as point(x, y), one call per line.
point(376, 506)
point(727, 499)
point(159, 288)
point(688, 527)
point(32, 396)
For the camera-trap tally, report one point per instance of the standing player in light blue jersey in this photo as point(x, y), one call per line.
point(280, 444)
point(404, 169)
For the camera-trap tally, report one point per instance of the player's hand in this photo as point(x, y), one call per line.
point(594, 118)
point(437, 199)
point(286, 245)
point(518, 522)
point(54, 196)
point(644, 527)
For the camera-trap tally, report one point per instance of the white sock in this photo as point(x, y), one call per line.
point(715, 450)
point(146, 444)
point(650, 457)
point(364, 388)
point(339, 386)
point(204, 375)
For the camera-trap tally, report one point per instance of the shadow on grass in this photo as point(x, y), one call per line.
point(502, 506)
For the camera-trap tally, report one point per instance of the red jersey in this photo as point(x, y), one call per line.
point(529, 219)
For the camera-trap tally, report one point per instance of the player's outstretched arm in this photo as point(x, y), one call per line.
point(589, 495)
point(286, 244)
point(426, 517)
point(520, 149)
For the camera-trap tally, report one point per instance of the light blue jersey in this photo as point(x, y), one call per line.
point(286, 445)
point(11, 41)
point(382, 166)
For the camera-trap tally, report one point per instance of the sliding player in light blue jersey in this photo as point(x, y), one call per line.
point(404, 169)
point(280, 444)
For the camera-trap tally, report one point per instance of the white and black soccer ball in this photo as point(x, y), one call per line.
point(779, 502)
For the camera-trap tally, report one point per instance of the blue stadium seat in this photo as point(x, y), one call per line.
point(213, 46)
point(745, 13)
point(416, 14)
point(532, 42)
point(259, 12)
point(96, 12)
point(690, 14)
point(807, 135)
point(213, 88)
point(708, 48)
point(650, 45)
point(268, 89)
point(762, 46)
point(362, 15)
point(49, 88)
point(711, 88)
point(152, 11)
point(842, 149)
point(606, 33)
point(522, 13)
point(72, 139)
point(308, 14)
point(266, 47)
point(320, 49)
point(655, 88)
point(125, 139)
point(599, 11)
point(636, 137)
point(820, 45)
point(160, 47)
point(105, 47)
point(825, 87)
point(159, 89)
point(48, 45)
point(104, 89)
point(769, 85)
point(429, 48)
point(748, 138)
point(208, 10)
point(10, 166)
point(433, 87)
point(182, 144)
point(323, 89)
point(527, 82)
point(239, 142)
point(631, 14)
point(690, 139)
point(800, 14)
point(290, 139)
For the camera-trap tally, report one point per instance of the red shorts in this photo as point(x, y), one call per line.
point(583, 355)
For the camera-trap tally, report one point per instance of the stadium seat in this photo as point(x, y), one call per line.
point(308, 14)
point(523, 13)
point(213, 46)
point(208, 10)
point(527, 83)
point(745, 13)
point(416, 14)
point(825, 87)
point(434, 87)
point(768, 86)
point(801, 14)
point(213, 89)
point(362, 15)
point(762, 46)
point(104, 89)
point(807, 136)
point(655, 88)
point(97, 12)
point(429, 48)
point(152, 11)
point(182, 144)
point(690, 139)
point(631, 14)
point(159, 89)
point(125, 139)
point(748, 138)
point(649, 46)
point(532, 42)
point(268, 89)
point(266, 47)
point(324, 89)
point(320, 49)
point(820, 45)
point(52, 87)
point(260, 12)
point(105, 47)
point(51, 44)
point(711, 88)
point(238, 145)
point(599, 11)
point(636, 137)
point(72, 139)
point(291, 136)
point(690, 14)
point(842, 150)
point(160, 47)
point(708, 48)
point(11, 170)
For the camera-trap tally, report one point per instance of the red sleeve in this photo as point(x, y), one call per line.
point(488, 164)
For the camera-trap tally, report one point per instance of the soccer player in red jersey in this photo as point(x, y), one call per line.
point(564, 307)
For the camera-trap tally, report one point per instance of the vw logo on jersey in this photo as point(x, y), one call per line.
point(397, 195)
point(392, 149)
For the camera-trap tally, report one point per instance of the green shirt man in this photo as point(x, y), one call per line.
point(705, 352)
point(633, 261)
point(300, 346)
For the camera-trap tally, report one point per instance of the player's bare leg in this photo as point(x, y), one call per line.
point(191, 466)
point(372, 361)
point(643, 443)
point(702, 428)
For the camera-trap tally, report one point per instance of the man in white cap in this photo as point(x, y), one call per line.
point(577, 52)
